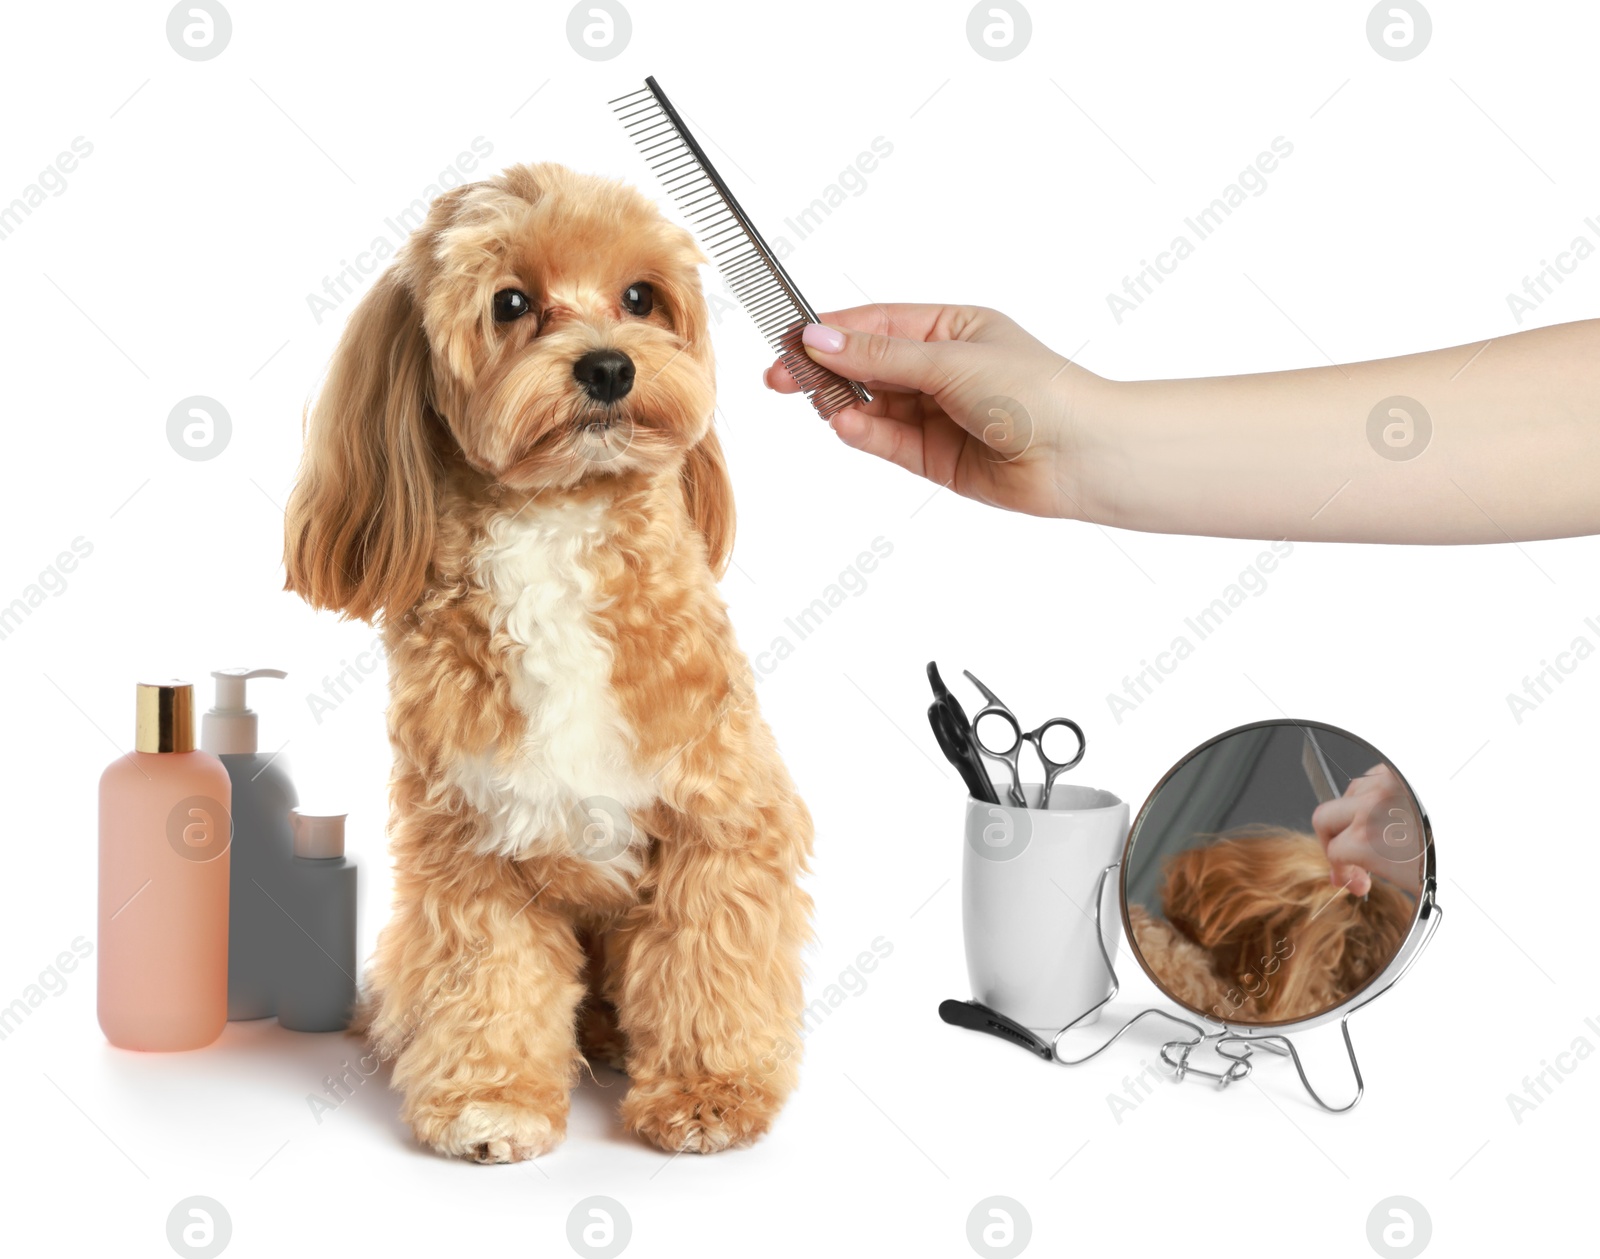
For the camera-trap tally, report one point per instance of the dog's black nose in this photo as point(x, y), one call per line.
point(607, 375)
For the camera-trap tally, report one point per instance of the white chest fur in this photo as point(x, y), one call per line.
point(573, 779)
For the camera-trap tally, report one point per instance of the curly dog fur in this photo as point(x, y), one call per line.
point(592, 831)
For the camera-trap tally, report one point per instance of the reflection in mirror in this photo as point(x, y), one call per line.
point(1274, 874)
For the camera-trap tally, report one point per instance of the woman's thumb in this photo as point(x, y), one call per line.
point(869, 356)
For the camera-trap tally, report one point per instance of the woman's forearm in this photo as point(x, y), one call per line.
point(1488, 442)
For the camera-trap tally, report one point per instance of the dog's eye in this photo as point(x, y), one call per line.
point(510, 304)
point(639, 299)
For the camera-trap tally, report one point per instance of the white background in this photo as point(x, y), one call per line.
point(178, 260)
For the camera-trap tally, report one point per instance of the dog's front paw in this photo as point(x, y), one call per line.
point(699, 1115)
point(491, 1131)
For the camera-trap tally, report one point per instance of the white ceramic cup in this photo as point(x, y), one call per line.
point(1028, 902)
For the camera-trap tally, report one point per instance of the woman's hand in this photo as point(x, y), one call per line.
point(966, 398)
point(962, 396)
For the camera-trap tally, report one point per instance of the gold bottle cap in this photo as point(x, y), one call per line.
point(165, 717)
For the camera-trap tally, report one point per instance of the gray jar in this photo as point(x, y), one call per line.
point(317, 965)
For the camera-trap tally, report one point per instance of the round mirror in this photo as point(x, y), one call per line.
point(1276, 874)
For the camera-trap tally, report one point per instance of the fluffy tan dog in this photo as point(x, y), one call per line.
point(1254, 932)
point(511, 468)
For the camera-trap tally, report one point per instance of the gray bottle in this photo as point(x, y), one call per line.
point(262, 847)
point(317, 971)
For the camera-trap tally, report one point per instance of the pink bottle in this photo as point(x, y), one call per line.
point(165, 830)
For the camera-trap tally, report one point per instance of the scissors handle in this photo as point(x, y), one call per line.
point(1054, 768)
point(1037, 739)
point(1011, 754)
point(957, 739)
point(1000, 748)
point(958, 751)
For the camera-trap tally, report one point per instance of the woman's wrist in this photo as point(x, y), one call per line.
point(1088, 450)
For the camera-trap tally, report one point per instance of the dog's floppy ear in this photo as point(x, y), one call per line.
point(358, 533)
point(707, 489)
point(708, 494)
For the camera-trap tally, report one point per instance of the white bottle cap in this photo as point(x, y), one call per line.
point(230, 726)
point(317, 835)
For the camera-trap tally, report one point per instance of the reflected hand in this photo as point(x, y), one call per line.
point(1372, 829)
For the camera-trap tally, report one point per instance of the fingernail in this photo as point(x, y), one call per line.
point(821, 337)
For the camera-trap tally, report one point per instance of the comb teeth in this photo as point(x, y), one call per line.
point(756, 277)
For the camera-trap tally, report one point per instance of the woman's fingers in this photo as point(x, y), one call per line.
point(899, 441)
point(911, 365)
point(778, 379)
point(1354, 879)
point(1333, 816)
point(910, 321)
point(910, 340)
point(1379, 778)
point(1350, 858)
point(1334, 823)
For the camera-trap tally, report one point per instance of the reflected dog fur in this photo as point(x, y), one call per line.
point(1255, 933)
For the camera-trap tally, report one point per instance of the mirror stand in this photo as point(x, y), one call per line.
point(1235, 1045)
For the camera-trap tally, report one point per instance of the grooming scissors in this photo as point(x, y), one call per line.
point(1009, 751)
point(956, 740)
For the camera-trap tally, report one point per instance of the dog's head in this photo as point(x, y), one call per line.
point(542, 328)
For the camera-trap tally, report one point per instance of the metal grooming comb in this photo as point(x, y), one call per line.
point(1318, 773)
point(756, 277)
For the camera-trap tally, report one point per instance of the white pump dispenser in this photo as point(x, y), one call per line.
point(230, 727)
point(261, 856)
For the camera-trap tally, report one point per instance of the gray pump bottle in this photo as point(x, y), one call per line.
point(317, 974)
point(262, 850)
